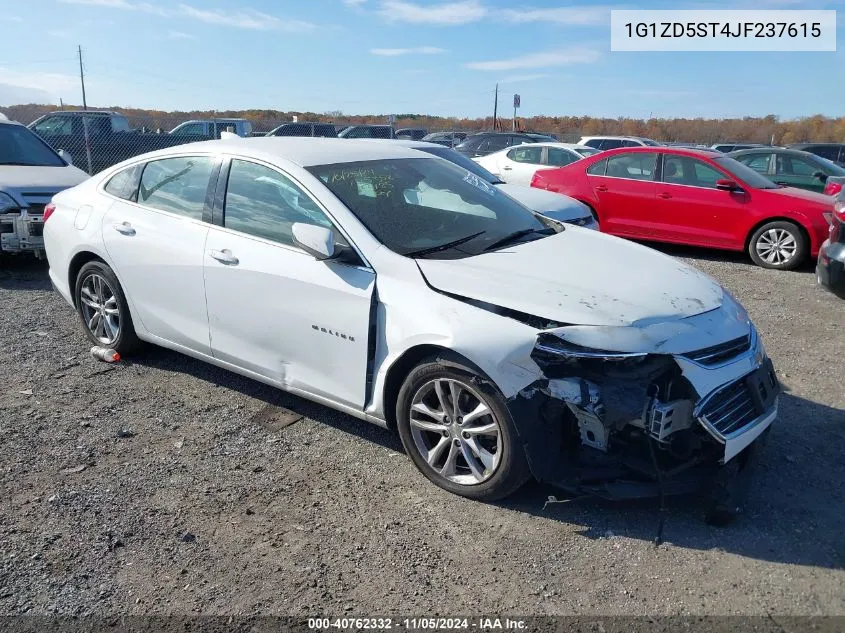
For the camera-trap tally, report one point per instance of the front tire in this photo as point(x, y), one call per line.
point(779, 245)
point(103, 310)
point(456, 428)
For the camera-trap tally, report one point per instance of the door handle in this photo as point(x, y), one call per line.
point(506, 168)
point(665, 196)
point(224, 257)
point(124, 228)
point(601, 188)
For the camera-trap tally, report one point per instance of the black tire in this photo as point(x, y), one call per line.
point(511, 471)
point(757, 243)
point(126, 341)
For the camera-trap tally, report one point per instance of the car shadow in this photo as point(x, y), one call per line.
point(794, 513)
point(23, 272)
point(717, 255)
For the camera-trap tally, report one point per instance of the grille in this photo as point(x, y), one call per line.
point(720, 353)
point(734, 406)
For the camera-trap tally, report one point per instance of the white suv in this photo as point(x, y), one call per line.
point(612, 142)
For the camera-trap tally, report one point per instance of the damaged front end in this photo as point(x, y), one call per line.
point(650, 413)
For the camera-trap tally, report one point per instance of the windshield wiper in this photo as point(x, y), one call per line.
point(443, 247)
point(515, 236)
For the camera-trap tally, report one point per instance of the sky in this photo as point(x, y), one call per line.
point(440, 57)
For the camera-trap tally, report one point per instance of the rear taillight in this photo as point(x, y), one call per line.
point(832, 188)
point(537, 181)
point(48, 211)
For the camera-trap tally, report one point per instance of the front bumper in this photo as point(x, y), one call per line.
point(21, 232)
point(830, 269)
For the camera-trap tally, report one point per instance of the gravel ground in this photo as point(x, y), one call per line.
point(167, 486)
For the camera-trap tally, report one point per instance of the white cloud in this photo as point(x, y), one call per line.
point(581, 16)
point(353, 3)
point(245, 19)
point(179, 35)
point(419, 50)
point(25, 87)
point(121, 4)
point(444, 14)
point(512, 79)
point(540, 60)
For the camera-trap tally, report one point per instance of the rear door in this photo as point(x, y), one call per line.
point(275, 310)
point(691, 210)
point(625, 194)
point(518, 165)
point(794, 171)
point(156, 241)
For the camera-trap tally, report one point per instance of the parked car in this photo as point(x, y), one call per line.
point(612, 142)
point(696, 197)
point(733, 147)
point(550, 205)
point(31, 173)
point(447, 139)
point(367, 131)
point(478, 333)
point(304, 129)
point(488, 142)
point(411, 133)
point(212, 128)
point(516, 165)
point(832, 151)
point(794, 168)
point(98, 139)
point(830, 268)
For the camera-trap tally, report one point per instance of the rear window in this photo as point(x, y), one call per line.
point(123, 184)
point(598, 168)
point(19, 146)
point(176, 185)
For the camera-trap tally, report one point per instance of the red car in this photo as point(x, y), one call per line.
point(696, 197)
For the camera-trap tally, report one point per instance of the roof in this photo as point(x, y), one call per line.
point(304, 151)
point(89, 112)
point(662, 149)
point(799, 145)
point(766, 149)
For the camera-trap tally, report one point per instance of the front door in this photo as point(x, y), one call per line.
point(626, 194)
point(274, 309)
point(793, 171)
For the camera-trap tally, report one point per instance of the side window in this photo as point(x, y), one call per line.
point(119, 124)
point(629, 143)
point(294, 129)
point(54, 125)
point(597, 168)
point(611, 143)
point(379, 132)
point(122, 184)
point(758, 162)
point(177, 185)
point(682, 170)
point(831, 152)
point(560, 157)
point(192, 128)
point(595, 143)
point(526, 154)
point(797, 167)
point(495, 143)
point(262, 202)
point(634, 166)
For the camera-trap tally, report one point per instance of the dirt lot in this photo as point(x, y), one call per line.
point(164, 485)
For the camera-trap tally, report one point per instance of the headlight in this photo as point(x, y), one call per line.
point(7, 203)
point(586, 221)
point(551, 344)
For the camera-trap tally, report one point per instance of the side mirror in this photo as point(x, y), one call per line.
point(317, 241)
point(65, 156)
point(724, 184)
point(821, 176)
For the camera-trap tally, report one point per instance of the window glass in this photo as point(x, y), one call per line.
point(177, 185)
point(262, 202)
point(587, 151)
point(427, 203)
point(54, 125)
point(191, 128)
point(595, 143)
point(19, 146)
point(120, 185)
point(629, 143)
point(560, 157)
point(683, 170)
point(795, 166)
point(611, 143)
point(831, 152)
point(757, 162)
point(526, 154)
point(120, 124)
point(294, 129)
point(495, 143)
point(636, 166)
point(597, 168)
point(462, 161)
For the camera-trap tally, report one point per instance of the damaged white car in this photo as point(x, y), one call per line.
point(500, 345)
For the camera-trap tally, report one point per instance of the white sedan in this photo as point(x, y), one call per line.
point(517, 165)
point(499, 344)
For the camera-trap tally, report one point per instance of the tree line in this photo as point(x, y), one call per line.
point(767, 129)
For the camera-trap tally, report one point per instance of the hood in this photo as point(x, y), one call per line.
point(548, 203)
point(580, 277)
point(25, 177)
point(802, 195)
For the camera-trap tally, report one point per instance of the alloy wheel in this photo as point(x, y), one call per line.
point(100, 310)
point(776, 246)
point(456, 431)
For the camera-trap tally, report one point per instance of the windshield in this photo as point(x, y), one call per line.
point(648, 141)
point(416, 207)
point(587, 151)
point(462, 161)
point(20, 146)
point(833, 168)
point(744, 173)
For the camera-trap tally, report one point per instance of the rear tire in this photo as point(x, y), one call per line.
point(471, 450)
point(779, 245)
point(103, 309)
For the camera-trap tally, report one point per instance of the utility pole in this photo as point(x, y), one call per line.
point(82, 78)
point(495, 107)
